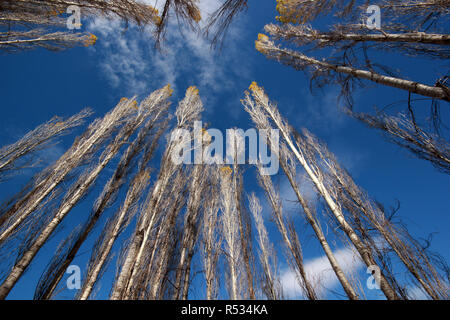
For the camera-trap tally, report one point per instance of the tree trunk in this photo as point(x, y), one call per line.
point(298, 60)
point(81, 187)
point(270, 111)
point(321, 237)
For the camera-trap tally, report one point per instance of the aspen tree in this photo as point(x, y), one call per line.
point(13, 156)
point(270, 283)
point(230, 230)
point(29, 21)
point(55, 41)
point(366, 211)
point(193, 216)
point(409, 27)
point(105, 243)
point(211, 238)
point(245, 231)
point(146, 141)
point(81, 150)
point(128, 10)
point(300, 61)
point(187, 112)
point(161, 259)
point(289, 235)
point(301, 11)
point(77, 191)
point(287, 163)
point(121, 218)
point(261, 112)
point(152, 267)
point(243, 218)
point(304, 35)
point(102, 250)
point(404, 132)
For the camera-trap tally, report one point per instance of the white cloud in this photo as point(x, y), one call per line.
point(49, 155)
point(320, 273)
point(325, 108)
point(289, 283)
point(131, 64)
point(417, 293)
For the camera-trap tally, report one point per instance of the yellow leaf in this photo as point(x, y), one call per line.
point(169, 89)
point(226, 171)
point(91, 40)
point(192, 90)
point(259, 44)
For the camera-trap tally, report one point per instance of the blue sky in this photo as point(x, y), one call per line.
point(39, 84)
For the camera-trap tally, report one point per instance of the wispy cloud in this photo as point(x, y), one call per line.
point(417, 293)
point(320, 273)
point(325, 108)
point(131, 63)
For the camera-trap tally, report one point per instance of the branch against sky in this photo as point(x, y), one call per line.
point(29, 23)
point(82, 149)
point(404, 132)
point(37, 139)
point(346, 54)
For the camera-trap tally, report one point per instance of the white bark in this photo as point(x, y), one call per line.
point(71, 159)
point(187, 112)
point(263, 102)
point(299, 60)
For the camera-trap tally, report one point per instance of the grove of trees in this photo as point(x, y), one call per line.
point(174, 228)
